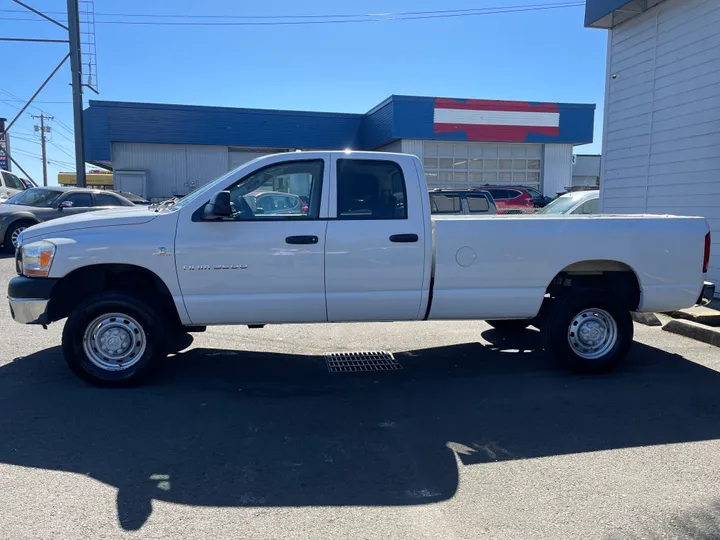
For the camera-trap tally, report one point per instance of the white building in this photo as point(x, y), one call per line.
point(661, 137)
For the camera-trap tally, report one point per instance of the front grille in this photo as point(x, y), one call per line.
point(345, 362)
point(18, 261)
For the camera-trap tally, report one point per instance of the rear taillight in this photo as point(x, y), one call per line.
point(706, 255)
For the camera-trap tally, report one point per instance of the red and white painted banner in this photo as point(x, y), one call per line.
point(502, 121)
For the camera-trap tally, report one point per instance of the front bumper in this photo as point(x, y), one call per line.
point(29, 299)
point(707, 294)
point(29, 311)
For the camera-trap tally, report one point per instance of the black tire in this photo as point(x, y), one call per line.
point(510, 326)
point(8, 246)
point(149, 321)
point(558, 334)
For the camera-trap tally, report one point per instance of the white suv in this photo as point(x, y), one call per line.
point(10, 184)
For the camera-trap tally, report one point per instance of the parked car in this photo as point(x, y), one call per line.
point(576, 202)
point(10, 184)
point(454, 201)
point(509, 196)
point(135, 199)
point(36, 205)
point(274, 202)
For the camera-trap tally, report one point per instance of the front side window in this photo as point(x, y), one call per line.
point(370, 189)
point(288, 190)
point(79, 200)
point(13, 182)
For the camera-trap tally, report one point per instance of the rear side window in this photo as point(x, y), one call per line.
point(370, 189)
point(589, 207)
point(512, 193)
point(108, 199)
point(478, 204)
point(499, 193)
point(445, 203)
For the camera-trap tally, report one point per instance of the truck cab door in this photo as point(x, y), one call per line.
point(378, 240)
point(257, 266)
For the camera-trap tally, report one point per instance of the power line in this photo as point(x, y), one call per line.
point(68, 154)
point(328, 19)
point(323, 16)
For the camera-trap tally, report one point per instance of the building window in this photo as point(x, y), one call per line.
point(463, 165)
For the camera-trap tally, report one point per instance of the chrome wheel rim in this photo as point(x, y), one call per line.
point(15, 234)
point(114, 342)
point(592, 333)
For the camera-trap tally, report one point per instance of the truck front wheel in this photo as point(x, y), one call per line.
point(589, 331)
point(113, 339)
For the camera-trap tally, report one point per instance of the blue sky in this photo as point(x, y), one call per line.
point(534, 56)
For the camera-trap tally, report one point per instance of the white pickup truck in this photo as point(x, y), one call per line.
point(354, 241)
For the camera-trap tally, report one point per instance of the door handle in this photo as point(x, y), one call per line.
point(405, 238)
point(301, 240)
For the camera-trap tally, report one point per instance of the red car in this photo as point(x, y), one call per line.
point(510, 196)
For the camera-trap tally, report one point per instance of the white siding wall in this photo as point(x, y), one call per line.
point(557, 168)
point(172, 169)
point(662, 125)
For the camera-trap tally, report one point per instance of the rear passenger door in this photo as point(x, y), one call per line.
point(375, 243)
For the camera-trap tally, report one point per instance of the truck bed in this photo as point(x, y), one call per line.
point(496, 266)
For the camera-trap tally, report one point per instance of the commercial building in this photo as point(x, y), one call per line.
point(661, 136)
point(158, 150)
point(585, 171)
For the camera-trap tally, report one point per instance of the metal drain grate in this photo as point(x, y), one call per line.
point(361, 361)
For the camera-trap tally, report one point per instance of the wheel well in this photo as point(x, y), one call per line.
point(85, 282)
point(616, 277)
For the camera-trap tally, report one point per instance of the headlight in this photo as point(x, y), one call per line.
point(37, 257)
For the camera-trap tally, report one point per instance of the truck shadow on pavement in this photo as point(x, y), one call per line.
point(236, 428)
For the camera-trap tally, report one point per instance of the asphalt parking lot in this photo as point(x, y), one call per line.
point(247, 435)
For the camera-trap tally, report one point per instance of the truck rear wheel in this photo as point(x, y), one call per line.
point(589, 331)
point(113, 339)
point(509, 326)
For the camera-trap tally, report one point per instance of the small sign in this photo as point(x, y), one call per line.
point(4, 161)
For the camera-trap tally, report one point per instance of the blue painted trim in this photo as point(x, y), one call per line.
point(397, 117)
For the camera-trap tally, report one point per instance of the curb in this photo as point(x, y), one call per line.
point(649, 319)
point(707, 316)
point(693, 330)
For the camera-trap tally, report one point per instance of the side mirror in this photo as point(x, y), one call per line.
point(65, 204)
point(218, 207)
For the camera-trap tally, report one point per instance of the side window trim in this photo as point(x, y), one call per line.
point(317, 193)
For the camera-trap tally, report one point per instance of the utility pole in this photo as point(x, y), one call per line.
point(43, 129)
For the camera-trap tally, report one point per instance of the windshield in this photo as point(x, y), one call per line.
point(563, 204)
point(42, 198)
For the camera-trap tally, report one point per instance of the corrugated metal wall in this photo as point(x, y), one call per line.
point(557, 168)
point(172, 169)
point(662, 125)
point(413, 146)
